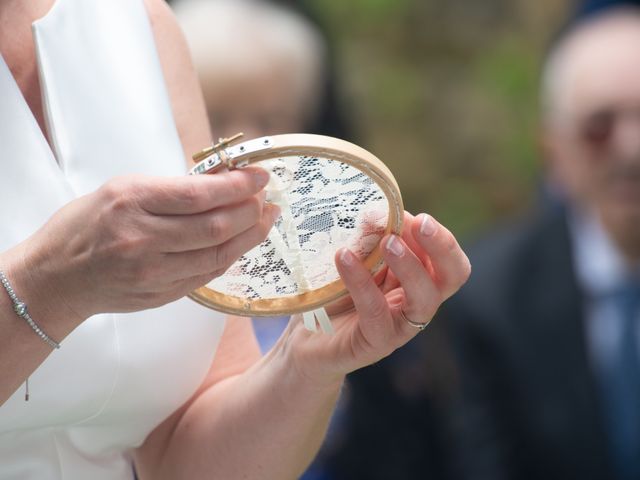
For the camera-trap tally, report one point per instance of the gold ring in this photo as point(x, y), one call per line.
point(419, 326)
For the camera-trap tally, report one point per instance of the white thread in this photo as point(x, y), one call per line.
point(292, 256)
point(309, 320)
point(324, 321)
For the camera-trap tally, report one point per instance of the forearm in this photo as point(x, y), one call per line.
point(266, 423)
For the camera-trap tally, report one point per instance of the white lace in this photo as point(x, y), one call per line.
point(325, 205)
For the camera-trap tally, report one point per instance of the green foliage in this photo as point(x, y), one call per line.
point(445, 93)
point(362, 12)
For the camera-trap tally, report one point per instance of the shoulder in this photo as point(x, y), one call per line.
point(170, 42)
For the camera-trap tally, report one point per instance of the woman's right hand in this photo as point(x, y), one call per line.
point(139, 242)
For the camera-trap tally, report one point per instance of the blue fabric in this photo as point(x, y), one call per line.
point(621, 389)
point(587, 8)
point(268, 331)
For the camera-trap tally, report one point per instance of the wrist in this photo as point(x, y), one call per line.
point(20, 308)
point(37, 286)
point(292, 358)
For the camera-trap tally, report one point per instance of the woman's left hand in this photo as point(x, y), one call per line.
point(424, 267)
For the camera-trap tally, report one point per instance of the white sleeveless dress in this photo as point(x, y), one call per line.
point(116, 377)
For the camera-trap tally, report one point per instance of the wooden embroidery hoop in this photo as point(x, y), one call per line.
point(229, 153)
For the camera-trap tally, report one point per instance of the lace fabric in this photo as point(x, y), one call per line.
point(326, 205)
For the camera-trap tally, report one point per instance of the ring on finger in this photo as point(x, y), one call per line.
point(419, 326)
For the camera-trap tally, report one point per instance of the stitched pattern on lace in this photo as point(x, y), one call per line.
point(327, 204)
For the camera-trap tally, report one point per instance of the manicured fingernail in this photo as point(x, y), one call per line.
point(261, 177)
point(428, 225)
point(395, 246)
point(347, 257)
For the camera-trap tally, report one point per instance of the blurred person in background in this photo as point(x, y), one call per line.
point(545, 382)
point(548, 327)
point(332, 116)
point(261, 68)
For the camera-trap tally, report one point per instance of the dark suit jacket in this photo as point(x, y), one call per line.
point(394, 426)
point(528, 406)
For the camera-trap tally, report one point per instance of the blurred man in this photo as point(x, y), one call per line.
point(548, 327)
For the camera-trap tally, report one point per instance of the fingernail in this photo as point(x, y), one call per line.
point(346, 257)
point(261, 177)
point(428, 225)
point(395, 246)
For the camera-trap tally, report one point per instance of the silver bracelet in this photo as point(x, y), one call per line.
point(21, 310)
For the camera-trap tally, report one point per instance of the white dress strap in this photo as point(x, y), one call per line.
point(27, 166)
point(106, 102)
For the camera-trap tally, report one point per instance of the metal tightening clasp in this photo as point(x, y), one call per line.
point(221, 145)
point(228, 153)
point(214, 157)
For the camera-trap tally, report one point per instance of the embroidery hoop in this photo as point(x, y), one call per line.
point(231, 154)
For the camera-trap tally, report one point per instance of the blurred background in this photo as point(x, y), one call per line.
point(445, 93)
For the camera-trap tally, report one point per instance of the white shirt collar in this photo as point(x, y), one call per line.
point(600, 267)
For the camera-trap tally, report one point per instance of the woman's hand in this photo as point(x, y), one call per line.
point(424, 267)
point(140, 242)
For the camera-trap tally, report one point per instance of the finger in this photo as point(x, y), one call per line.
point(409, 239)
point(386, 280)
point(180, 233)
point(181, 288)
point(421, 297)
point(369, 301)
point(383, 278)
point(199, 193)
point(216, 260)
point(188, 285)
point(450, 265)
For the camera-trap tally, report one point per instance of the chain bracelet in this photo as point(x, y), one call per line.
point(20, 308)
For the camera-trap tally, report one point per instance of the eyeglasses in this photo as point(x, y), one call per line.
point(597, 129)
